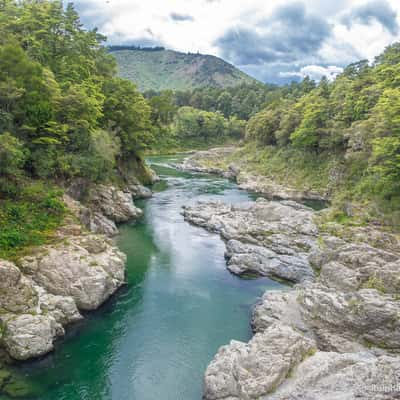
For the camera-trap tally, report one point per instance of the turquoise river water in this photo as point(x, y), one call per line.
point(155, 337)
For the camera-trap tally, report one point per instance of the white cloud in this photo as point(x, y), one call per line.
point(150, 22)
point(315, 72)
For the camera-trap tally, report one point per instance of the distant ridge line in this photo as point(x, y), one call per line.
point(133, 47)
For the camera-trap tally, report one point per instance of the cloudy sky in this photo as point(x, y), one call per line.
point(272, 40)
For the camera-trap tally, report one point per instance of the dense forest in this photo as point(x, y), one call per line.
point(347, 132)
point(206, 116)
point(63, 114)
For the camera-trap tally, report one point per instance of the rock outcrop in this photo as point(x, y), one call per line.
point(335, 334)
point(30, 317)
point(45, 291)
point(94, 221)
point(101, 207)
point(140, 192)
point(274, 191)
point(114, 203)
point(88, 268)
point(210, 162)
point(251, 370)
point(219, 161)
point(266, 238)
point(344, 376)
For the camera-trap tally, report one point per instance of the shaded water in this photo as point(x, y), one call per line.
point(155, 337)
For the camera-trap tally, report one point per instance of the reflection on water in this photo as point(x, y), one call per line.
point(155, 337)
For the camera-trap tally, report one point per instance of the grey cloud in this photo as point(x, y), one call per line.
point(121, 39)
point(90, 17)
point(272, 72)
point(379, 10)
point(315, 72)
point(288, 35)
point(181, 17)
point(246, 47)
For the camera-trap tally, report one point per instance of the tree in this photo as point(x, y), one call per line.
point(263, 125)
point(12, 155)
point(313, 123)
point(127, 113)
point(163, 108)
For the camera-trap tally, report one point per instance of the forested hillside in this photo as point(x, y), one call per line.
point(161, 69)
point(63, 114)
point(343, 137)
point(208, 116)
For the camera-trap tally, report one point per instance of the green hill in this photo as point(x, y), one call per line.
point(160, 69)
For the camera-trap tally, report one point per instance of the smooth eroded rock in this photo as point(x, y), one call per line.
point(87, 268)
point(251, 370)
point(115, 204)
point(30, 317)
point(349, 376)
point(264, 237)
point(28, 336)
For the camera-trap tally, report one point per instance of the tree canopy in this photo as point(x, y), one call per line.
point(59, 97)
point(356, 117)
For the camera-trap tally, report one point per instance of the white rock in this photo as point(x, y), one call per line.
point(249, 371)
point(87, 268)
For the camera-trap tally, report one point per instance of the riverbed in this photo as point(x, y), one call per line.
point(156, 336)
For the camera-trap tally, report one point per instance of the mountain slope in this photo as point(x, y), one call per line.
point(167, 69)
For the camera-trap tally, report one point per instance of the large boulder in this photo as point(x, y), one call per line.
point(88, 268)
point(264, 237)
point(248, 258)
point(114, 203)
point(366, 316)
point(358, 265)
point(17, 294)
point(30, 318)
point(26, 336)
point(279, 306)
point(349, 376)
point(91, 219)
point(139, 191)
point(251, 370)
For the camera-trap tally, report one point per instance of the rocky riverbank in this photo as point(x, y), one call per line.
point(336, 333)
point(222, 162)
point(46, 290)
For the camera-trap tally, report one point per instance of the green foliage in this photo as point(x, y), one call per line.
point(29, 218)
point(241, 101)
point(128, 114)
point(163, 108)
point(354, 119)
point(63, 114)
point(313, 123)
point(12, 155)
point(263, 126)
point(206, 126)
point(59, 99)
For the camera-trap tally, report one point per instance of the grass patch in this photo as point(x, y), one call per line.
point(29, 217)
point(288, 166)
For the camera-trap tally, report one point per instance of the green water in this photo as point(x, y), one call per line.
point(155, 337)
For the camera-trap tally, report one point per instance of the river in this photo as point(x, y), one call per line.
point(155, 337)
